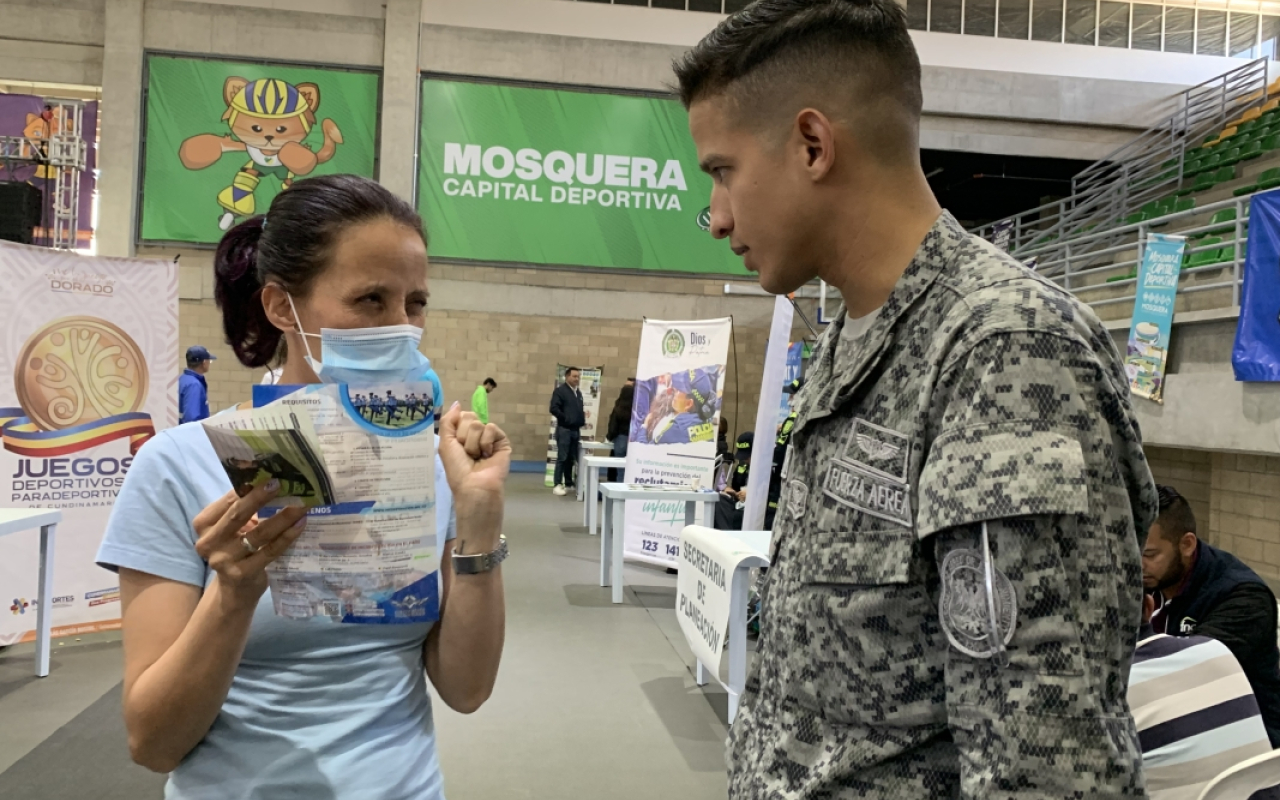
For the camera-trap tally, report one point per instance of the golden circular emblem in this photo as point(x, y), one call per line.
point(77, 370)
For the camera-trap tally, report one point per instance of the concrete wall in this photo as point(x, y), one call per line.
point(975, 110)
point(496, 322)
point(53, 42)
point(319, 35)
point(1204, 406)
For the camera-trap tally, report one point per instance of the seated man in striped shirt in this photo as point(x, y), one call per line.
point(1195, 712)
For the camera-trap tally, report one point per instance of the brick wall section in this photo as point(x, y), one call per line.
point(1246, 509)
point(200, 322)
point(583, 279)
point(1190, 472)
point(1236, 500)
point(519, 352)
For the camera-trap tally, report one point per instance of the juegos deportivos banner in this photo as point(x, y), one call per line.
point(80, 347)
point(564, 177)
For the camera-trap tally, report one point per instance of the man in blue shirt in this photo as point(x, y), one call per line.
point(193, 391)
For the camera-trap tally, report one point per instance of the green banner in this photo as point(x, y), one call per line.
point(224, 137)
point(556, 176)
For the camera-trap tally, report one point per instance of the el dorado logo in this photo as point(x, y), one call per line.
point(80, 383)
point(704, 218)
point(673, 344)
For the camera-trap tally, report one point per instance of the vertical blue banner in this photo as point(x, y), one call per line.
point(1256, 355)
point(1155, 293)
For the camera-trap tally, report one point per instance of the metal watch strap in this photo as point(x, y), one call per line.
point(480, 562)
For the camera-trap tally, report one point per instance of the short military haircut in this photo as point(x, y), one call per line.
point(781, 55)
point(491, 383)
point(571, 369)
point(1176, 517)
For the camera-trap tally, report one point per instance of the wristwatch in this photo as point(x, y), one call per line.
point(480, 562)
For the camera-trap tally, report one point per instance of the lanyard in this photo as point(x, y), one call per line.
point(999, 655)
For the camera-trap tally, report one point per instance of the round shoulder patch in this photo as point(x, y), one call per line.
point(963, 611)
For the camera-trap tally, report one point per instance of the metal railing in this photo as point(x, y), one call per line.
point(1077, 261)
point(1147, 168)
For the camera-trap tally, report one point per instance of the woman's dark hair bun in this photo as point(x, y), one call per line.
point(238, 292)
point(306, 220)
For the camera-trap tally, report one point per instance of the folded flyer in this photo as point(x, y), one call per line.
point(366, 471)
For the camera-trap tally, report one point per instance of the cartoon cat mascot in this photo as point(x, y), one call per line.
point(269, 119)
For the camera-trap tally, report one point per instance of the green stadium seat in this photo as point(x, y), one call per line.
point(1250, 151)
point(1149, 210)
point(1231, 157)
point(1204, 182)
point(1220, 220)
point(1204, 258)
point(1173, 205)
point(1271, 142)
point(1269, 179)
point(1224, 174)
point(1204, 164)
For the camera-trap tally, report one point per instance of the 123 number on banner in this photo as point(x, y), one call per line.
point(651, 546)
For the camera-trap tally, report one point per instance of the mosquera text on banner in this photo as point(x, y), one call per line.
point(1156, 291)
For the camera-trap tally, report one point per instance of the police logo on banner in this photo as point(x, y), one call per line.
point(963, 609)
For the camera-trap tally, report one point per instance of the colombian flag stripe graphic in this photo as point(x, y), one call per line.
point(24, 437)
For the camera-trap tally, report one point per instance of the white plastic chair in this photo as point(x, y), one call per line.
point(1245, 778)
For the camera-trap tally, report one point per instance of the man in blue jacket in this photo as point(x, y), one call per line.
point(1200, 590)
point(193, 391)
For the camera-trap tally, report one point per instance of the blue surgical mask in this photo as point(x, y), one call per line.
point(363, 356)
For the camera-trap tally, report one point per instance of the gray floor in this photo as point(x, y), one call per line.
point(592, 698)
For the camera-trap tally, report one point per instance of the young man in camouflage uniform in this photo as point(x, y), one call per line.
point(955, 589)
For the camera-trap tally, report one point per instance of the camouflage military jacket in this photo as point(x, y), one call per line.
point(981, 394)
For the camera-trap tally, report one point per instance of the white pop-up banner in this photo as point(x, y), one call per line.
point(674, 420)
point(88, 352)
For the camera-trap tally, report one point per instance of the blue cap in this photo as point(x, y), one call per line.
point(700, 385)
point(199, 353)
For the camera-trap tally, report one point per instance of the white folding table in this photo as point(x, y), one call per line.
point(16, 520)
point(583, 447)
point(739, 598)
point(590, 509)
point(611, 530)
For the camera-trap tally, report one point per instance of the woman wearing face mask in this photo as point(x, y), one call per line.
point(231, 699)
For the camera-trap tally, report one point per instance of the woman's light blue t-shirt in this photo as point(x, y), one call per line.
point(317, 709)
